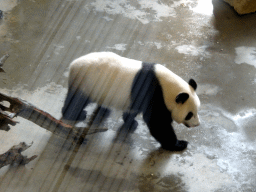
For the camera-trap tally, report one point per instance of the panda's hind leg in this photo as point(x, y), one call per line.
point(75, 102)
point(129, 120)
point(101, 114)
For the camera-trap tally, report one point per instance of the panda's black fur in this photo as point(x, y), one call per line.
point(146, 97)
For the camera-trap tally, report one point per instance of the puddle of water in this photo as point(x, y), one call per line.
point(203, 174)
point(145, 11)
point(158, 45)
point(197, 172)
point(119, 47)
point(193, 50)
point(246, 55)
point(208, 89)
point(234, 153)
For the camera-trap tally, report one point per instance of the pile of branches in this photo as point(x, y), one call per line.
point(11, 107)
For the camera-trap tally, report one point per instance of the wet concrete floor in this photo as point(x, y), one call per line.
point(202, 39)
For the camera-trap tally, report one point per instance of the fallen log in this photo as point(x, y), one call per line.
point(19, 107)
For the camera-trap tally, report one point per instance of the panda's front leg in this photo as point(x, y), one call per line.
point(167, 138)
point(179, 146)
point(102, 113)
point(161, 129)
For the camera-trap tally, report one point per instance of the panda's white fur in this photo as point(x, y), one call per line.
point(107, 79)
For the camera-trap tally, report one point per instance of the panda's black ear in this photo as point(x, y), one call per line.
point(192, 83)
point(182, 98)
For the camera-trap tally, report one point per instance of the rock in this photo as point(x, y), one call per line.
point(1, 14)
point(243, 6)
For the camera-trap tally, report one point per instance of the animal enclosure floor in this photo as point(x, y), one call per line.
point(201, 39)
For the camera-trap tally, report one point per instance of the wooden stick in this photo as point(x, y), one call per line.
point(43, 119)
point(3, 59)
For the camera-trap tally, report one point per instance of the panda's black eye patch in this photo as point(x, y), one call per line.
point(189, 116)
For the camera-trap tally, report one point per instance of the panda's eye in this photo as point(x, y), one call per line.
point(189, 116)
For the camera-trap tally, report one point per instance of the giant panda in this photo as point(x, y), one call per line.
point(134, 87)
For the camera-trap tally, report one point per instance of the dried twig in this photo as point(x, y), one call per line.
point(2, 61)
point(13, 155)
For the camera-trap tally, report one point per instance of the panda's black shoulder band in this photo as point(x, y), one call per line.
point(143, 87)
point(147, 66)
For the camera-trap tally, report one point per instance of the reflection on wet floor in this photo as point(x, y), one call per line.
point(202, 39)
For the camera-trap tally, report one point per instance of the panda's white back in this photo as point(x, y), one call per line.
point(106, 78)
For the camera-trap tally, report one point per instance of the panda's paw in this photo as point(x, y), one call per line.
point(131, 125)
point(179, 146)
point(82, 116)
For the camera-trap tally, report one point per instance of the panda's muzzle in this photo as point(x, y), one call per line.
point(191, 126)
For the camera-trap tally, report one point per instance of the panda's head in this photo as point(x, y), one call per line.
point(187, 106)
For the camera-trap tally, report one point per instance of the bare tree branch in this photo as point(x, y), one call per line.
point(19, 107)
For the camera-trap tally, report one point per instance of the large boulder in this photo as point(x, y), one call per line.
point(243, 6)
